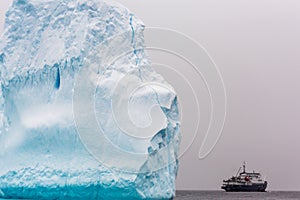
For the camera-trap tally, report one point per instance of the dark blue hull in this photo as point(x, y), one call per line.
point(245, 188)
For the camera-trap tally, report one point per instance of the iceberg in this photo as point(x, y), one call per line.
point(83, 115)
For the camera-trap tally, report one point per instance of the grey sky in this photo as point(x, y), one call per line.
point(256, 45)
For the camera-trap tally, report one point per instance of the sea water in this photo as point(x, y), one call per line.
point(217, 195)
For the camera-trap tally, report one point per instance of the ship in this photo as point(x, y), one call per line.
point(245, 182)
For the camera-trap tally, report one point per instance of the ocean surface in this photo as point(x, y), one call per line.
point(212, 195)
point(220, 195)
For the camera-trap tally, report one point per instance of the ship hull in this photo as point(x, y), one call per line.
point(245, 188)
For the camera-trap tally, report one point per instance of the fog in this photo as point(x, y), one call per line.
point(256, 46)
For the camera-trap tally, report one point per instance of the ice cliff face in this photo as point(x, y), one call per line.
point(65, 66)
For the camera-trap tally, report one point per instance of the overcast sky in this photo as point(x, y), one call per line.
point(256, 45)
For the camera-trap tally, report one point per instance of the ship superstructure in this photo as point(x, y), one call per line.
point(245, 182)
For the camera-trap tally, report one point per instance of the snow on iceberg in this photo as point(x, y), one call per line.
point(77, 100)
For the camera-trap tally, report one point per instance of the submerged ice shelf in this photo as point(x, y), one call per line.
point(52, 54)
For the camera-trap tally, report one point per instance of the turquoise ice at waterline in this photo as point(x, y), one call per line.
point(82, 113)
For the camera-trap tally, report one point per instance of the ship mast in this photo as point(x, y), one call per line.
point(238, 172)
point(244, 167)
